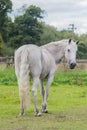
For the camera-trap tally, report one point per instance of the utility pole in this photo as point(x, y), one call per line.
point(72, 28)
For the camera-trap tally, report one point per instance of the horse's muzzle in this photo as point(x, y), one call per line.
point(72, 65)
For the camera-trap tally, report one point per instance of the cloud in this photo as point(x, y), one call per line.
point(60, 13)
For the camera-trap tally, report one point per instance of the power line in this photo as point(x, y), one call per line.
point(72, 28)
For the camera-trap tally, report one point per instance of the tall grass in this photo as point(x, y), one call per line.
point(8, 77)
point(70, 78)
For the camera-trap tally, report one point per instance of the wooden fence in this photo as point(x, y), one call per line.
point(81, 60)
point(9, 60)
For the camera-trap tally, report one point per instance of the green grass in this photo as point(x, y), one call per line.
point(7, 77)
point(67, 104)
point(67, 107)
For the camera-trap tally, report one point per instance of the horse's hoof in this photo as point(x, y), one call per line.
point(21, 114)
point(38, 114)
point(45, 111)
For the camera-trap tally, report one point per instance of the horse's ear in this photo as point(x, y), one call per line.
point(77, 42)
point(70, 41)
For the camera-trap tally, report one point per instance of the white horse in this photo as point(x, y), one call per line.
point(40, 63)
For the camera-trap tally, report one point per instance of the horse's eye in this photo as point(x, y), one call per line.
point(68, 50)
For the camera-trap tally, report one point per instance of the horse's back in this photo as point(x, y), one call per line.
point(33, 55)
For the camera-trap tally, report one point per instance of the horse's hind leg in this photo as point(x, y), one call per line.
point(42, 90)
point(36, 83)
point(24, 95)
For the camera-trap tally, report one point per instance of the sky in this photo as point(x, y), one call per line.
point(60, 13)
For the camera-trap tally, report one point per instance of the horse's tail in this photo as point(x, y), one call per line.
point(24, 80)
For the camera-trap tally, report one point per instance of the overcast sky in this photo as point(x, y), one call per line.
point(60, 13)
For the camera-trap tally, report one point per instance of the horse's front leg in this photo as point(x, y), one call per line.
point(36, 83)
point(44, 104)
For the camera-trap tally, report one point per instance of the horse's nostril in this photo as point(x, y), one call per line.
point(72, 65)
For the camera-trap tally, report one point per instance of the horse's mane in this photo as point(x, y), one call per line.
point(56, 43)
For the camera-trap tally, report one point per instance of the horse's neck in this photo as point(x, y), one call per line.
point(59, 55)
point(56, 50)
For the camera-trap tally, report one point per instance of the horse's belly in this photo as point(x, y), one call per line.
point(45, 71)
point(48, 64)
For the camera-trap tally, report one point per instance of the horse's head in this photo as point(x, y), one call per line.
point(70, 53)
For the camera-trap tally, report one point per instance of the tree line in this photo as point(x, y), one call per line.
point(28, 28)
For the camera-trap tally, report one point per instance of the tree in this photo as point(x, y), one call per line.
point(34, 12)
point(27, 27)
point(49, 34)
point(82, 48)
point(5, 7)
point(1, 46)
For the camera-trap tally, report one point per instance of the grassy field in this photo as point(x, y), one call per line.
point(67, 104)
